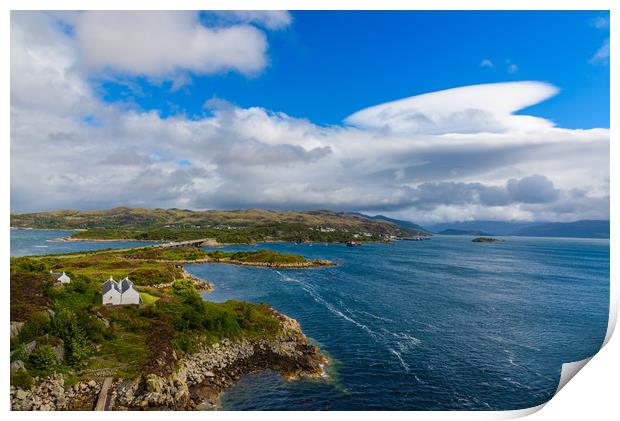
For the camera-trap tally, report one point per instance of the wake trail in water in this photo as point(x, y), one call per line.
point(404, 342)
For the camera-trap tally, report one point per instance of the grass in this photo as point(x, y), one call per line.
point(148, 299)
point(260, 256)
point(129, 340)
point(105, 264)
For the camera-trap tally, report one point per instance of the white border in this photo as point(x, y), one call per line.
point(592, 395)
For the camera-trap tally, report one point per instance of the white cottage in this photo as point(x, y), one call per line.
point(119, 293)
point(129, 295)
point(111, 292)
point(63, 278)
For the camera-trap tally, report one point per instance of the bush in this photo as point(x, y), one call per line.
point(38, 325)
point(27, 264)
point(68, 327)
point(81, 284)
point(183, 289)
point(43, 358)
point(151, 276)
point(21, 378)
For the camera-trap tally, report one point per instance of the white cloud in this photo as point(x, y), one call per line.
point(159, 44)
point(469, 109)
point(602, 54)
point(446, 155)
point(270, 19)
point(487, 63)
point(42, 66)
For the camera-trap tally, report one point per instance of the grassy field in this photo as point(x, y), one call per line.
point(124, 340)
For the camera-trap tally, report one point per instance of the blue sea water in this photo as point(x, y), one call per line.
point(26, 242)
point(433, 325)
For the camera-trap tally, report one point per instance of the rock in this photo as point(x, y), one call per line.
point(17, 365)
point(92, 384)
point(59, 350)
point(30, 346)
point(21, 394)
point(16, 327)
point(61, 402)
point(205, 406)
point(154, 383)
point(102, 319)
point(51, 312)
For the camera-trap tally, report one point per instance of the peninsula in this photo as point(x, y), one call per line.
point(220, 227)
point(173, 351)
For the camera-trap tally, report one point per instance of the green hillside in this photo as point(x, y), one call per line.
point(237, 226)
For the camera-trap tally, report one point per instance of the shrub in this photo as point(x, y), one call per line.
point(81, 284)
point(21, 378)
point(67, 326)
point(38, 325)
point(43, 358)
point(183, 289)
point(27, 264)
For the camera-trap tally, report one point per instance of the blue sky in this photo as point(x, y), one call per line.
point(327, 65)
point(424, 116)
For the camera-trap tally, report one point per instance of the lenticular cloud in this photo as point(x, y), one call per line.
point(469, 109)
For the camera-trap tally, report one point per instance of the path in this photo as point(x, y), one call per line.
point(102, 401)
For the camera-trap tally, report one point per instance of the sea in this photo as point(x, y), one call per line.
point(444, 324)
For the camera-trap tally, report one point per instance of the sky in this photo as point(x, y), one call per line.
point(424, 116)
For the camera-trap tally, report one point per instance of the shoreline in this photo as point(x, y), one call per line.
point(196, 380)
point(208, 243)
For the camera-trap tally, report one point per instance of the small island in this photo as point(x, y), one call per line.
point(173, 350)
point(486, 240)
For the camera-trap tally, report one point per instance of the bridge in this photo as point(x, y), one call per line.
point(174, 244)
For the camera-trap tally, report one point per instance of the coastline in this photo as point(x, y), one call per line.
point(98, 240)
point(310, 264)
point(196, 380)
point(191, 381)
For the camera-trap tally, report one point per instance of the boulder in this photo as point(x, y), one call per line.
point(102, 319)
point(154, 383)
point(16, 327)
point(17, 365)
point(59, 350)
point(21, 394)
point(30, 346)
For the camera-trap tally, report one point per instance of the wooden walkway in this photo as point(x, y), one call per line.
point(102, 401)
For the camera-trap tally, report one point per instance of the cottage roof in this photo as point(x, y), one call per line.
point(56, 275)
point(110, 284)
point(126, 284)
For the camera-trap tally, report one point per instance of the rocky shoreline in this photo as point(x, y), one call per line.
point(196, 381)
point(309, 264)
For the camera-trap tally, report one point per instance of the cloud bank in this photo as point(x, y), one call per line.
point(457, 154)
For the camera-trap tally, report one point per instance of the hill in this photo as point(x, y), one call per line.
point(584, 229)
point(463, 232)
point(495, 227)
point(579, 229)
point(235, 226)
point(414, 228)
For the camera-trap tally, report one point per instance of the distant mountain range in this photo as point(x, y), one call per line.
point(286, 224)
point(579, 229)
point(588, 229)
point(414, 228)
point(453, 231)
